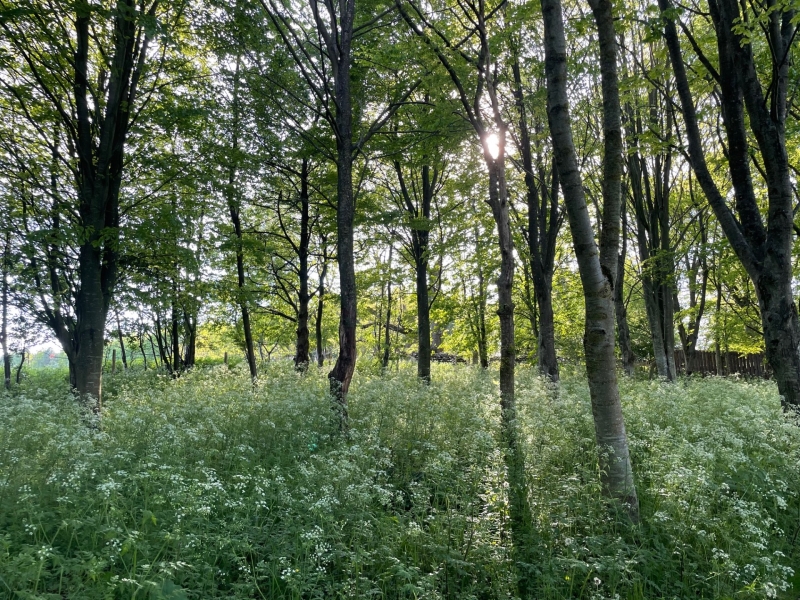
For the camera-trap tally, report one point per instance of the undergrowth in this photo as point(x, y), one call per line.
point(205, 487)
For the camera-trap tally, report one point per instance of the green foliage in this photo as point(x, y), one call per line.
point(203, 487)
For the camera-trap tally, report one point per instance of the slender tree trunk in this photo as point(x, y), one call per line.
point(153, 349)
point(301, 357)
point(91, 312)
point(141, 347)
point(4, 326)
point(175, 332)
point(320, 310)
point(420, 240)
point(620, 310)
point(721, 370)
point(387, 332)
point(597, 271)
point(423, 313)
point(121, 344)
point(546, 354)
point(342, 372)
point(483, 350)
point(162, 346)
point(234, 209)
point(537, 237)
point(190, 339)
point(22, 355)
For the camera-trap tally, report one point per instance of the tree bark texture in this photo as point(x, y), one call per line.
point(596, 269)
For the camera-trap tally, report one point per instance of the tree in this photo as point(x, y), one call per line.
point(764, 249)
point(321, 46)
point(79, 99)
point(597, 271)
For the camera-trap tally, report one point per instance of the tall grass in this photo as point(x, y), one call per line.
point(204, 487)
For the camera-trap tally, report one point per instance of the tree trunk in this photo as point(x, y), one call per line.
point(121, 344)
point(96, 128)
point(141, 347)
point(541, 233)
point(387, 332)
point(162, 346)
point(596, 271)
point(320, 308)
point(22, 355)
point(697, 299)
point(620, 310)
point(483, 351)
point(153, 348)
point(419, 249)
point(650, 202)
point(4, 326)
point(190, 339)
point(301, 357)
point(342, 372)
point(175, 332)
point(234, 209)
point(423, 311)
point(91, 311)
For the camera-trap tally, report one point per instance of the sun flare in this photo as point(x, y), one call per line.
point(493, 143)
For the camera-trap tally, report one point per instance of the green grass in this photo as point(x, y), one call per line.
point(202, 487)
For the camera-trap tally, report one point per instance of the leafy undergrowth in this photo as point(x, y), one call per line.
point(205, 488)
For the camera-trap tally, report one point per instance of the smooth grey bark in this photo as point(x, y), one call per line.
point(764, 249)
point(596, 269)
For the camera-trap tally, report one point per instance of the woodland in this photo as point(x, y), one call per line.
point(442, 299)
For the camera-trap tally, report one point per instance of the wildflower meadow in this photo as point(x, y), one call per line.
point(206, 486)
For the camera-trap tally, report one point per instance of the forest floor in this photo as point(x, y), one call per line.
point(203, 487)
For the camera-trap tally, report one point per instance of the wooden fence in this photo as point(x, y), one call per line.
point(705, 363)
